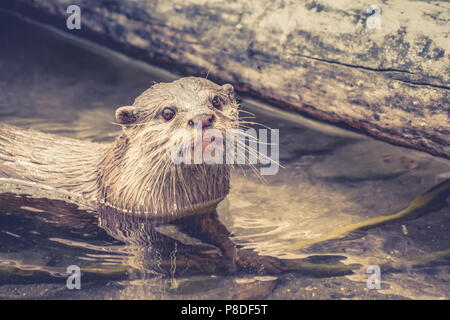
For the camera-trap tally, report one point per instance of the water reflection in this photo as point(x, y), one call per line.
point(133, 247)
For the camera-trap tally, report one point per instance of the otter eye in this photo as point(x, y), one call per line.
point(168, 114)
point(216, 102)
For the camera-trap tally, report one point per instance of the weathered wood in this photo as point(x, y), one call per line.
point(319, 57)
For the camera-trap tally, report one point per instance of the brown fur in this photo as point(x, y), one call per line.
point(135, 173)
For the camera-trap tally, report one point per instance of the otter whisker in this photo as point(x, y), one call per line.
point(247, 112)
point(252, 138)
point(254, 123)
point(258, 153)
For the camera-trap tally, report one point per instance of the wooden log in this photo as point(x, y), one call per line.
point(327, 59)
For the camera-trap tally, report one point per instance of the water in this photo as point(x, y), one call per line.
point(332, 178)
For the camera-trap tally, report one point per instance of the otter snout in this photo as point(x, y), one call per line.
point(203, 121)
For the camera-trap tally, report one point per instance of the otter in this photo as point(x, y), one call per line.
point(136, 173)
point(134, 178)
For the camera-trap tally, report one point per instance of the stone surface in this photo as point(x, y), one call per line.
point(318, 57)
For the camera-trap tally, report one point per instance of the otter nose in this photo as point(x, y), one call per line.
point(203, 121)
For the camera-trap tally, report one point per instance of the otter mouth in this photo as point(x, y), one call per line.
point(206, 136)
point(206, 141)
point(205, 146)
point(208, 150)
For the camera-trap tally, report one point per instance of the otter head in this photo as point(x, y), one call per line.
point(142, 173)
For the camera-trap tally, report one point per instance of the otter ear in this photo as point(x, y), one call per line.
point(126, 115)
point(229, 90)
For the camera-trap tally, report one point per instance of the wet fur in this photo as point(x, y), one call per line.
point(135, 173)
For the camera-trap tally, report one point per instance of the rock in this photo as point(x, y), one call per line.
point(328, 60)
